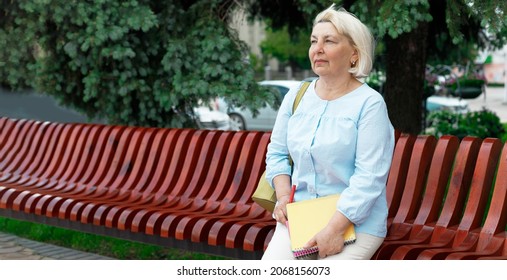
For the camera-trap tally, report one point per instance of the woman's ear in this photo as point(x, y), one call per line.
point(355, 56)
point(354, 59)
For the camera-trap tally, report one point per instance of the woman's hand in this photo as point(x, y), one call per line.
point(330, 240)
point(280, 211)
point(283, 191)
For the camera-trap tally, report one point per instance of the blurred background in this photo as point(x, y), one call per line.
point(207, 64)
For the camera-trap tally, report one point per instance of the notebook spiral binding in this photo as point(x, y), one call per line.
point(312, 253)
point(305, 254)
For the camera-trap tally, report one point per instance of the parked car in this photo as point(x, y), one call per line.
point(212, 119)
point(242, 119)
point(453, 104)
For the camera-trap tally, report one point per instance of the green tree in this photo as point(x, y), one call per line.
point(16, 48)
point(294, 52)
point(150, 62)
point(135, 62)
point(413, 33)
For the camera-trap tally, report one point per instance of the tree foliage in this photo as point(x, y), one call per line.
point(16, 48)
point(294, 52)
point(135, 62)
point(438, 28)
point(147, 62)
point(412, 33)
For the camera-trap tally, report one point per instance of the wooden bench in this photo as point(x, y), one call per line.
point(460, 211)
point(182, 188)
point(191, 189)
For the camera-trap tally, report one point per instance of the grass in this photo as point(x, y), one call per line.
point(102, 245)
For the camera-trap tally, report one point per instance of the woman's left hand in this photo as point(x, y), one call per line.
point(328, 242)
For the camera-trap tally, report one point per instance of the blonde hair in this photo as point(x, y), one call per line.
point(360, 37)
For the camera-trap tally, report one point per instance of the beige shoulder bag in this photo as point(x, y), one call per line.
point(264, 194)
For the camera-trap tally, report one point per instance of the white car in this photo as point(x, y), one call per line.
point(452, 104)
point(242, 119)
point(212, 119)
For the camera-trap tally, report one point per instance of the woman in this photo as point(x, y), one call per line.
point(340, 139)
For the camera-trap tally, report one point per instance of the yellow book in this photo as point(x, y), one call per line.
point(307, 218)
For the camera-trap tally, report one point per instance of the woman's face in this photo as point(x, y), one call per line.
point(331, 54)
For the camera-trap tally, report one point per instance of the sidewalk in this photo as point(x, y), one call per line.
point(17, 248)
point(493, 101)
point(28, 104)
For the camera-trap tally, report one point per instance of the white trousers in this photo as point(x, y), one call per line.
point(362, 249)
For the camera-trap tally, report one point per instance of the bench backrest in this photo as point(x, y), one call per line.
point(203, 181)
point(496, 219)
point(422, 153)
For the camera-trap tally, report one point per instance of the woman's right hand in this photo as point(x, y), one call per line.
point(283, 191)
point(280, 211)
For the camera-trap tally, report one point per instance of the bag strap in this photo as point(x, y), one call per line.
point(300, 94)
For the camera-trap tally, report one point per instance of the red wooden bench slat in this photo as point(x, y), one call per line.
point(50, 204)
point(398, 173)
point(3, 121)
point(113, 179)
point(151, 164)
point(173, 150)
point(6, 131)
point(477, 240)
point(24, 170)
point(501, 256)
point(45, 181)
point(196, 143)
point(15, 146)
point(230, 229)
point(8, 142)
point(418, 168)
point(419, 164)
point(92, 183)
point(224, 207)
point(79, 163)
point(27, 200)
point(69, 151)
point(22, 158)
point(22, 179)
point(239, 235)
point(41, 173)
point(185, 196)
point(153, 223)
point(121, 216)
point(492, 235)
point(37, 172)
point(185, 224)
point(212, 163)
point(436, 183)
point(9, 162)
point(130, 172)
point(258, 236)
point(145, 165)
point(444, 233)
point(8, 125)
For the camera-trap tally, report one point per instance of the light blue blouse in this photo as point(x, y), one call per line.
point(340, 146)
